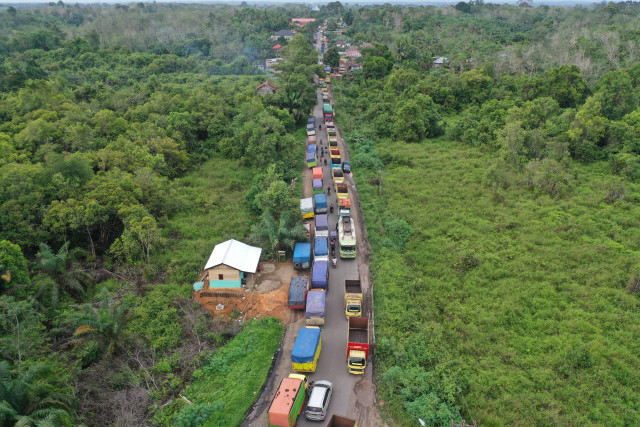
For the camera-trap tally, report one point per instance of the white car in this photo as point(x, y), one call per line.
point(318, 400)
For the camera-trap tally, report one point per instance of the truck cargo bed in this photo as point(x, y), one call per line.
point(358, 336)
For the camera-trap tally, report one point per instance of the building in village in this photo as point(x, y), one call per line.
point(287, 34)
point(228, 266)
point(301, 22)
point(440, 61)
point(267, 88)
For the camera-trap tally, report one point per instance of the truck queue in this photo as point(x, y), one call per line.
point(310, 295)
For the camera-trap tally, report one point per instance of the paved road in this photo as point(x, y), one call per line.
point(353, 395)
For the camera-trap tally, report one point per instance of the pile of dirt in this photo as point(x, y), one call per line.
point(268, 298)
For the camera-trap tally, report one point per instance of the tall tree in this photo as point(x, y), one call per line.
point(29, 399)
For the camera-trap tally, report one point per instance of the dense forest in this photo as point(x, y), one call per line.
point(500, 193)
point(123, 162)
point(500, 196)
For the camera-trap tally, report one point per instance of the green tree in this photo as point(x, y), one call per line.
point(28, 398)
point(587, 131)
point(566, 85)
point(107, 323)
point(22, 334)
point(278, 235)
point(13, 265)
point(332, 57)
point(376, 67)
point(616, 94)
point(276, 199)
point(57, 272)
point(141, 234)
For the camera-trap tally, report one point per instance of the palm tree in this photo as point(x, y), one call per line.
point(107, 322)
point(27, 399)
point(57, 272)
point(278, 235)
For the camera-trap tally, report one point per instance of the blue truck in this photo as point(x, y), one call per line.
point(314, 311)
point(302, 256)
point(320, 203)
point(320, 275)
point(322, 226)
point(320, 249)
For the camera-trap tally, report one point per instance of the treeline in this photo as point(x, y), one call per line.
point(218, 32)
point(514, 39)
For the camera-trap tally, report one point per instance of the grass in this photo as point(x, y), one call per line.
point(515, 301)
point(214, 211)
point(231, 379)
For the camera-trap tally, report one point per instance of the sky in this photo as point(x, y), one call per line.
point(311, 2)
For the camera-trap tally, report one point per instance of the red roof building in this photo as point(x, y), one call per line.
point(267, 88)
point(301, 22)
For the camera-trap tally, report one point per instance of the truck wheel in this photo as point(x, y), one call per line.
point(297, 265)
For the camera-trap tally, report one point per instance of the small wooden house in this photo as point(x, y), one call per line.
point(228, 265)
point(267, 88)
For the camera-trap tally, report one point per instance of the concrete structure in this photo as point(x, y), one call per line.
point(267, 88)
point(228, 265)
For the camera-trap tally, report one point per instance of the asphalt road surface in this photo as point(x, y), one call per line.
point(353, 395)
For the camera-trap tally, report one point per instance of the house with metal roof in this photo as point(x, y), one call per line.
point(439, 61)
point(287, 34)
point(228, 265)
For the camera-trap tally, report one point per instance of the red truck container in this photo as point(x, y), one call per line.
point(358, 344)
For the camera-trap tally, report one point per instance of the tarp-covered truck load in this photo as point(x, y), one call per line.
point(317, 172)
point(306, 207)
point(344, 207)
point(311, 139)
point(318, 186)
point(312, 161)
point(320, 249)
point(320, 201)
point(314, 312)
point(311, 129)
point(298, 292)
point(311, 120)
point(312, 148)
point(302, 256)
point(327, 110)
point(322, 226)
point(287, 404)
point(320, 275)
point(306, 350)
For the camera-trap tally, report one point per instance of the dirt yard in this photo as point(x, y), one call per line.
point(267, 299)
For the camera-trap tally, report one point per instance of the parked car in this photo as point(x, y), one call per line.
point(318, 402)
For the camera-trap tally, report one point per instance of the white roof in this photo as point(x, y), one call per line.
point(236, 255)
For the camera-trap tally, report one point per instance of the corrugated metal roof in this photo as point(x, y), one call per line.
point(235, 254)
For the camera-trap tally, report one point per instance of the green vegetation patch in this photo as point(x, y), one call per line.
point(214, 211)
point(231, 379)
point(504, 305)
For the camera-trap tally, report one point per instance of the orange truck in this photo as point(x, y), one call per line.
point(288, 402)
